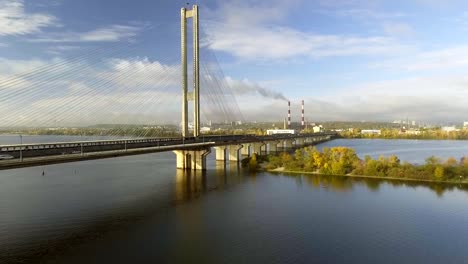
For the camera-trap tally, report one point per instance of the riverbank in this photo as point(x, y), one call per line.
point(343, 161)
point(417, 134)
point(282, 170)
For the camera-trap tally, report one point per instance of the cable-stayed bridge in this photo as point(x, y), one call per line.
point(115, 84)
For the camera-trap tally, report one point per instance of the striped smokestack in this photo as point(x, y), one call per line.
point(289, 114)
point(303, 123)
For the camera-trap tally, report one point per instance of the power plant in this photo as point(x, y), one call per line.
point(287, 128)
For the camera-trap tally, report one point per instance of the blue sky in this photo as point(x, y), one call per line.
point(349, 60)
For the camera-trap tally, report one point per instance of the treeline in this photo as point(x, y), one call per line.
point(421, 134)
point(344, 161)
point(358, 125)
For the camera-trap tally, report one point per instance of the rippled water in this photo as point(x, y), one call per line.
point(140, 209)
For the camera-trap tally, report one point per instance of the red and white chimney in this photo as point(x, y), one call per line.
point(289, 114)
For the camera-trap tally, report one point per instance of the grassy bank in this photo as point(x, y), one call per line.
point(344, 162)
point(279, 170)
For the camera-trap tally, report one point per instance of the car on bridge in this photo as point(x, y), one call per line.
point(5, 157)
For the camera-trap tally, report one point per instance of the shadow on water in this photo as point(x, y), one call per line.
point(343, 183)
point(183, 187)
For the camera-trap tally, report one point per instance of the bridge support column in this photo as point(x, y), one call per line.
point(198, 159)
point(257, 148)
point(220, 153)
point(182, 159)
point(234, 152)
point(300, 142)
point(245, 151)
point(288, 143)
point(192, 159)
point(273, 146)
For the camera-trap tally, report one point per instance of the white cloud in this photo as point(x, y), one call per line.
point(250, 37)
point(361, 13)
point(119, 91)
point(112, 33)
point(428, 98)
point(398, 29)
point(14, 67)
point(144, 73)
point(443, 59)
point(263, 43)
point(131, 93)
point(347, 3)
point(15, 21)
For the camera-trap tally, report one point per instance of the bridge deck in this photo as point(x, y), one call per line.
point(25, 155)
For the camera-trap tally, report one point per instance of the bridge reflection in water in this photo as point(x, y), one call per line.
point(190, 184)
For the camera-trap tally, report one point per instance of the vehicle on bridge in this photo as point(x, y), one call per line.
point(5, 157)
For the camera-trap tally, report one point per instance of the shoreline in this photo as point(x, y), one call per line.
point(278, 170)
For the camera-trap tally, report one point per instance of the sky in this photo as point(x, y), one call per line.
point(349, 60)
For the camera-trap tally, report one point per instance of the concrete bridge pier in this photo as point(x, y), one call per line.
point(273, 146)
point(220, 153)
point(300, 142)
point(192, 159)
point(182, 159)
point(234, 152)
point(257, 147)
point(288, 143)
point(245, 151)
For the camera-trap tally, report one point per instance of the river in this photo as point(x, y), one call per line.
point(140, 209)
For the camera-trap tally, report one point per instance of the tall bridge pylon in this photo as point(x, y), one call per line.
point(194, 95)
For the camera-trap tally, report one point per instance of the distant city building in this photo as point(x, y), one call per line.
point(317, 129)
point(205, 129)
point(371, 131)
point(412, 132)
point(449, 128)
point(465, 124)
point(280, 131)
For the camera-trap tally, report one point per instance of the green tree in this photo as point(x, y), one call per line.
point(439, 172)
point(253, 164)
